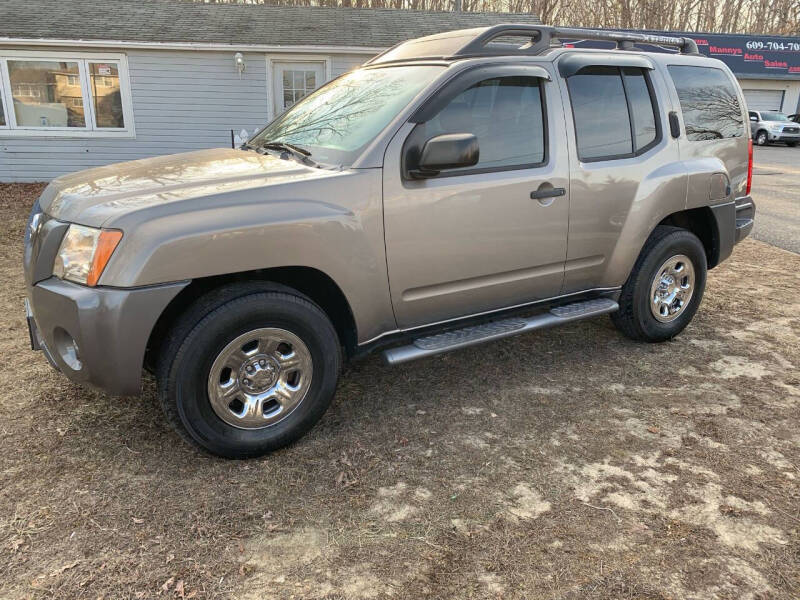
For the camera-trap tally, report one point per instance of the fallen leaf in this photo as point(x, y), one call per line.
point(64, 568)
point(191, 594)
point(653, 429)
point(179, 589)
point(137, 521)
point(167, 584)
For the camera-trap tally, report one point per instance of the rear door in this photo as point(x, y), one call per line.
point(474, 240)
point(616, 130)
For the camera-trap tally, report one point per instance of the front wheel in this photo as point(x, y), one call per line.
point(248, 369)
point(761, 138)
point(665, 287)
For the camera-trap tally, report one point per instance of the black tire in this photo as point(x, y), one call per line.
point(762, 138)
point(634, 317)
point(201, 333)
point(791, 144)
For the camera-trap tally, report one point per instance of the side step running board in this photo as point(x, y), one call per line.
point(495, 330)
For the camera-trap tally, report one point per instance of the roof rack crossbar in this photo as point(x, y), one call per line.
point(540, 39)
point(625, 39)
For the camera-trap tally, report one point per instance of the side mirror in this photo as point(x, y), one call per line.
point(754, 119)
point(446, 151)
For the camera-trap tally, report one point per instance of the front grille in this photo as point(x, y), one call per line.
point(791, 130)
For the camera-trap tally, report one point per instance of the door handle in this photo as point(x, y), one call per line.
point(674, 124)
point(541, 194)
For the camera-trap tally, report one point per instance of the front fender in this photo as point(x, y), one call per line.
point(332, 226)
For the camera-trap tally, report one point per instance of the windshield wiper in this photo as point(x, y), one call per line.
point(287, 146)
point(299, 153)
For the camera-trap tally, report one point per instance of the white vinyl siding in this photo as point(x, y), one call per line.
point(342, 63)
point(181, 101)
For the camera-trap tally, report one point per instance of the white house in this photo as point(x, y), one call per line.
point(90, 82)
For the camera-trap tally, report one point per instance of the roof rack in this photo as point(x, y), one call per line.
point(468, 43)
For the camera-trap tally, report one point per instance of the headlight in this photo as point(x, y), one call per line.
point(776, 127)
point(84, 252)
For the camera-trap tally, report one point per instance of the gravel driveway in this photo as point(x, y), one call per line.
point(572, 463)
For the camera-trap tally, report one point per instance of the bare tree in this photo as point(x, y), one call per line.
point(779, 17)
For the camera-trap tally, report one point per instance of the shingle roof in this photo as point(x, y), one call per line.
point(183, 21)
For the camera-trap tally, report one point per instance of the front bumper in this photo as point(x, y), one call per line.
point(783, 137)
point(97, 336)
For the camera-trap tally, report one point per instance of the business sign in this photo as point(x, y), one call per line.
point(754, 56)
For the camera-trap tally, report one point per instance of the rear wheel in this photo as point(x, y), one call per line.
point(762, 138)
point(248, 369)
point(791, 144)
point(665, 287)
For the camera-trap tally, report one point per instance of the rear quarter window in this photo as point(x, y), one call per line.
point(709, 102)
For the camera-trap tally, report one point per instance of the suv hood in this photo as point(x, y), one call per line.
point(94, 196)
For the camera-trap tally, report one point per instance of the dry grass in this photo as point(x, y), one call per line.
point(570, 464)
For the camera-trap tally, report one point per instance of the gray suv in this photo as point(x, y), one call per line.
point(456, 189)
point(769, 126)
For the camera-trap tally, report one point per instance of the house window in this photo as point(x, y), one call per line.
point(297, 83)
point(64, 95)
point(106, 95)
point(294, 81)
point(43, 95)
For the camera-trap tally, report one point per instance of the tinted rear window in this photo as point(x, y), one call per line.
point(600, 111)
point(614, 112)
point(709, 102)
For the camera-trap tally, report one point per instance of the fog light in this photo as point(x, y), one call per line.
point(67, 349)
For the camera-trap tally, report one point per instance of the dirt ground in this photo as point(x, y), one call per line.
point(567, 464)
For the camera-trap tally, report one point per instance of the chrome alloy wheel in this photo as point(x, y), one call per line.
point(259, 378)
point(672, 288)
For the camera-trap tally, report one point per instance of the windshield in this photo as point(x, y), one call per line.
point(337, 121)
point(773, 116)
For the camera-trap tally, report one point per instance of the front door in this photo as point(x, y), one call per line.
point(474, 240)
point(294, 80)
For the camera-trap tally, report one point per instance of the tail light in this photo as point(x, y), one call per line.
point(749, 166)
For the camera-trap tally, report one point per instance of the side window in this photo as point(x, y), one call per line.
point(506, 114)
point(614, 111)
point(709, 102)
point(643, 117)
